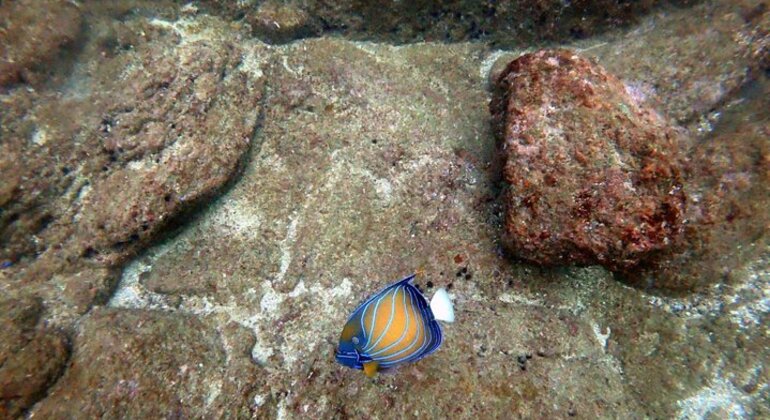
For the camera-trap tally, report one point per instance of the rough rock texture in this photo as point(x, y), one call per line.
point(32, 33)
point(507, 23)
point(96, 171)
point(140, 364)
point(31, 356)
point(368, 162)
point(594, 178)
point(698, 77)
point(729, 197)
point(279, 22)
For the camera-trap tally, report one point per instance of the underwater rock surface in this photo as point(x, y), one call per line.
point(364, 162)
point(94, 171)
point(32, 32)
point(145, 364)
point(508, 23)
point(32, 356)
point(729, 196)
point(594, 178)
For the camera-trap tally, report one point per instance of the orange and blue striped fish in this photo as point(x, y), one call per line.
point(393, 327)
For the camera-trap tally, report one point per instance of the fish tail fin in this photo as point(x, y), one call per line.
point(441, 306)
point(371, 368)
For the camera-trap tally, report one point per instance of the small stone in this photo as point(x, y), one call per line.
point(279, 22)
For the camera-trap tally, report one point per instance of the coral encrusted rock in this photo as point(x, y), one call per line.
point(593, 177)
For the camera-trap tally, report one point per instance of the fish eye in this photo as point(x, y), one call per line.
point(355, 340)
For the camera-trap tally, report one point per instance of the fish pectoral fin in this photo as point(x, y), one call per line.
point(371, 368)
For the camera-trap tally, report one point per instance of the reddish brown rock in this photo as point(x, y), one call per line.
point(32, 33)
point(594, 178)
point(729, 196)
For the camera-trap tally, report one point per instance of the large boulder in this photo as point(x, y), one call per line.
point(593, 176)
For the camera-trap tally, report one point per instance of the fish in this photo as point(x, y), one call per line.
point(393, 327)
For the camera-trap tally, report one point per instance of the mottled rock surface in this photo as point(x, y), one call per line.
point(367, 162)
point(146, 364)
point(384, 196)
point(729, 197)
point(32, 33)
point(593, 177)
point(96, 170)
point(32, 356)
point(705, 65)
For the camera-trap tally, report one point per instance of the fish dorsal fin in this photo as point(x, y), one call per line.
point(441, 306)
point(406, 280)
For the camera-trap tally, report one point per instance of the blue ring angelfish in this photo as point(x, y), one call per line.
point(393, 327)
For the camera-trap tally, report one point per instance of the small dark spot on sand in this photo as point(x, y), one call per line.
point(89, 252)
point(468, 276)
point(430, 284)
point(522, 362)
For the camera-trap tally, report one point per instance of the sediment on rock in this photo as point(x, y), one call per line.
point(141, 363)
